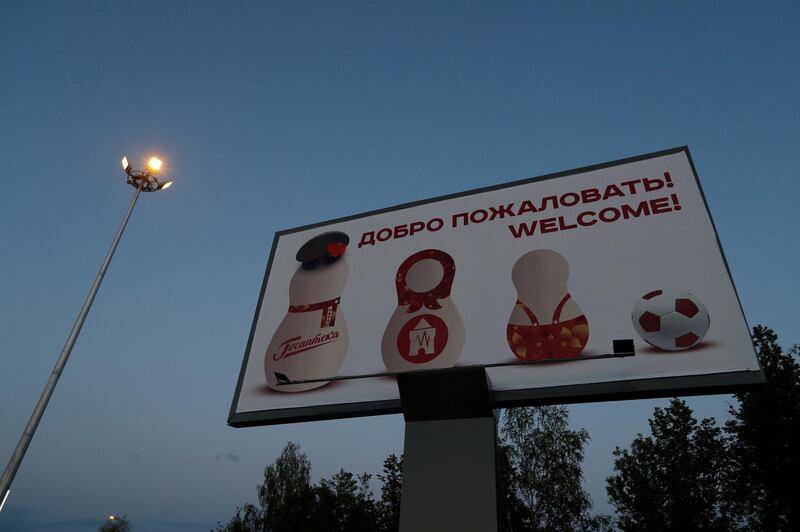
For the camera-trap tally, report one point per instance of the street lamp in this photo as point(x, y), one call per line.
point(142, 180)
point(148, 180)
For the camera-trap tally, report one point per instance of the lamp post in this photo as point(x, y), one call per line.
point(147, 180)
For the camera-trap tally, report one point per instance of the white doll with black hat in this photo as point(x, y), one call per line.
point(311, 341)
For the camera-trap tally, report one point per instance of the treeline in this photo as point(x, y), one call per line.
point(699, 475)
point(687, 474)
point(288, 501)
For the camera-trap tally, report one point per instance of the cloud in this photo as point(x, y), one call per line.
point(230, 456)
point(182, 524)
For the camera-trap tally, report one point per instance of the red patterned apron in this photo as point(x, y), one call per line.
point(556, 340)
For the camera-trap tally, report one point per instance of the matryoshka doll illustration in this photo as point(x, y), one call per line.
point(546, 321)
point(311, 341)
point(425, 331)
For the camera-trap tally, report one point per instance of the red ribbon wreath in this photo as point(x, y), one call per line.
point(416, 300)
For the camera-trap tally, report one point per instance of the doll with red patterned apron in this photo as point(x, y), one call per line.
point(425, 331)
point(546, 321)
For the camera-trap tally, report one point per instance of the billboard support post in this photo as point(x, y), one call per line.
point(449, 473)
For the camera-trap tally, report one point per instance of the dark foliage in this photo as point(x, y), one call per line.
point(116, 524)
point(289, 502)
point(762, 490)
point(540, 478)
point(511, 511)
point(388, 508)
point(671, 479)
point(539, 486)
point(692, 475)
point(286, 495)
point(344, 503)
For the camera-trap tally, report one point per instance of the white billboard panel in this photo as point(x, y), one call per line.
point(538, 272)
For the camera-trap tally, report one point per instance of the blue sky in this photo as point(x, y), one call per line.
point(274, 115)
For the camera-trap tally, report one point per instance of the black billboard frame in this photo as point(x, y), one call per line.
point(705, 384)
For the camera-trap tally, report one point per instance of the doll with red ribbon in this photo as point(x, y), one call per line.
point(425, 331)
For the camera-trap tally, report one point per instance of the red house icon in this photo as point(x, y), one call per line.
point(421, 339)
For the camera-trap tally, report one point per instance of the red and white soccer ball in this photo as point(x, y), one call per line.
point(670, 320)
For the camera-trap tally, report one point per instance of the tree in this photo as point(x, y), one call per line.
point(248, 518)
point(671, 479)
point(511, 511)
point(388, 507)
point(285, 497)
point(289, 502)
point(544, 459)
point(762, 491)
point(115, 523)
point(286, 489)
point(344, 503)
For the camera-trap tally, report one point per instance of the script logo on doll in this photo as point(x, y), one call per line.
point(296, 345)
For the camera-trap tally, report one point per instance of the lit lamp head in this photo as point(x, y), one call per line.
point(147, 180)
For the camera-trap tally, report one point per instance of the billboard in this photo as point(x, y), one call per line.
point(521, 278)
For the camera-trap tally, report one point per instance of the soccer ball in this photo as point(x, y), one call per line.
point(671, 320)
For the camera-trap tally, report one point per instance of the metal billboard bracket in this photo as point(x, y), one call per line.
point(448, 393)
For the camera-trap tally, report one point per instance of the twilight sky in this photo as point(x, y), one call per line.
point(271, 116)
